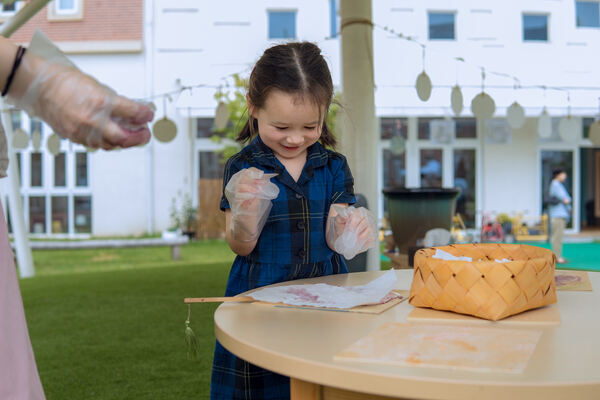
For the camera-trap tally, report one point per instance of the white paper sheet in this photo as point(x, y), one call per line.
point(323, 295)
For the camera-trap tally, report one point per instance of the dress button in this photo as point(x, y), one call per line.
point(301, 253)
point(299, 196)
point(301, 225)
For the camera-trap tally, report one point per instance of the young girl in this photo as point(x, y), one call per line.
point(278, 196)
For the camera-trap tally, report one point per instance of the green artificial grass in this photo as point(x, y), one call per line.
point(109, 324)
point(580, 256)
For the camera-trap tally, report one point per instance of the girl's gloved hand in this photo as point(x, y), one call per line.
point(352, 230)
point(250, 192)
point(75, 105)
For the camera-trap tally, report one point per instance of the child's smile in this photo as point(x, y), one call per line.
point(288, 124)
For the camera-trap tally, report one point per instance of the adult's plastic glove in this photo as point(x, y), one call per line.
point(48, 86)
point(250, 192)
point(352, 230)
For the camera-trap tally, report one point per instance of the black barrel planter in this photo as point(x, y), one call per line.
point(413, 212)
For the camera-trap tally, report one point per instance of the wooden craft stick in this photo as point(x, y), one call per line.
point(239, 299)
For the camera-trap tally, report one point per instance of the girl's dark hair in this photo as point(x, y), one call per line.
point(295, 68)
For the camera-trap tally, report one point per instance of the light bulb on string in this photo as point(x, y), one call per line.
point(482, 105)
point(53, 144)
point(567, 126)
point(164, 130)
point(423, 84)
point(544, 123)
point(515, 115)
point(20, 139)
point(456, 97)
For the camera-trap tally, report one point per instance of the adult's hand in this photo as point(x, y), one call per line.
point(74, 104)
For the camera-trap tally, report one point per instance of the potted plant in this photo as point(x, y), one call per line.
point(183, 218)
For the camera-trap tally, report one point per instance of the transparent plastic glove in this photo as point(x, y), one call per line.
point(250, 192)
point(74, 104)
point(352, 230)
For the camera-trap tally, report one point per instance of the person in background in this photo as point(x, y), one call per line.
point(559, 211)
point(84, 111)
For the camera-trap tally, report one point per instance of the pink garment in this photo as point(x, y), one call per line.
point(19, 379)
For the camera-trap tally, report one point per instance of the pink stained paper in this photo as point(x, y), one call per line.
point(19, 379)
point(329, 296)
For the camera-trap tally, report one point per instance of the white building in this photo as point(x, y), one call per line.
point(184, 43)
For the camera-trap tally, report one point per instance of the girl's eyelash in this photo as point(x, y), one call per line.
point(281, 127)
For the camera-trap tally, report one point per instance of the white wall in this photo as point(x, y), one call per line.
point(118, 179)
point(510, 176)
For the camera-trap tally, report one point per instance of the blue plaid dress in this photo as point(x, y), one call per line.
point(291, 246)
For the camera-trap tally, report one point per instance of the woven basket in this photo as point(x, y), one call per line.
point(483, 287)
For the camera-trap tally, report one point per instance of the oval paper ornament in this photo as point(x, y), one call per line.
point(53, 144)
point(397, 145)
point(567, 129)
point(221, 116)
point(456, 100)
point(515, 116)
point(164, 130)
point(483, 106)
point(423, 86)
point(595, 132)
point(20, 139)
point(544, 125)
point(36, 140)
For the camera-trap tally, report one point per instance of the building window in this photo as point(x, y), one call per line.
point(211, 165)
point(37, 214)
point(466, 128)
point(65, 6)
point(464, 178)
point(16, 118)
point(9, 9)
point(60, 165)
point(65, 10)
point(81, 169)
point(535, 28)
point(36, 169)
point(35, 125)
point(60, 214)
point(205, 128)
point(83, 214)
point(587, 14)
point(333, 22)
point(282, 24)
point(441, 26)
point(431, 168)
point(394, 169)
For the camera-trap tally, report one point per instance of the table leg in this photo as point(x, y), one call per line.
point(302, 390)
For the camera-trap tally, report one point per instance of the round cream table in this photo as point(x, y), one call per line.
point(302, 344)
